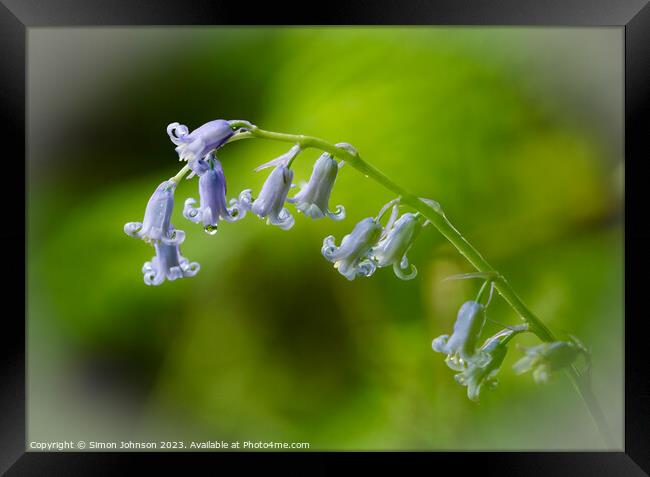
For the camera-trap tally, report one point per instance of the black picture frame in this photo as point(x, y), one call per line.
point(16, 16)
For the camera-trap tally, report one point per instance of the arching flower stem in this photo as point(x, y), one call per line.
point(436, 216)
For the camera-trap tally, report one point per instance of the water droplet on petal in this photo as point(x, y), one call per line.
point(210, 229)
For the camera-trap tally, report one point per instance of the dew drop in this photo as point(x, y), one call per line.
point(210, 229)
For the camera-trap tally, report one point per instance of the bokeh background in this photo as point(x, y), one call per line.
point(517, 132)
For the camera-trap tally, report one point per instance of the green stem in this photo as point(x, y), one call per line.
point(436, 216)
point(178, 177)
point(483, 290)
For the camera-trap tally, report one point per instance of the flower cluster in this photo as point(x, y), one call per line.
point(482, 371)
point(370, 246)
point(157, 229)
point(479, 365)
point(198, 150)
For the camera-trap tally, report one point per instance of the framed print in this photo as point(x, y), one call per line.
point(379, 233)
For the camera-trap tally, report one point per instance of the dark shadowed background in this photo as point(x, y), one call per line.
point(517, 132)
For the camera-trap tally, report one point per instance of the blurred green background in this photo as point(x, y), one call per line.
point(517, 132)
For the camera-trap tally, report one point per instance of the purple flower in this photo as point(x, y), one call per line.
point(212, 193)
point(353, 257)
point(392, 249)
point(482, 372)
point(313, 198)
point(198, 143)
point(270, 203)
point(460, 347)
point(156, 225)
point(168, 264)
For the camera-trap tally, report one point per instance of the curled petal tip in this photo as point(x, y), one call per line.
point(403, 274)
point(190, 268)
point(245, 200)
point(131, 229)
point(284, 220)
point(236, 211)
point(174, 273)
point(177, 132)
point(190, 212)
point(177, 237)
point(366, 268)
point(439, 344)
point(329, 247)
point(337, 214)
point(152, 279)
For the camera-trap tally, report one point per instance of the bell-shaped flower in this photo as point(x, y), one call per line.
point(270, 203)
point(313, 198)
point(392, 249)
point(212, 192)
point(460, 347)
point(204, 139)
point(168, 264)
point(482, 371)
point(156, 224)
point(546, 358)
point(353, 257)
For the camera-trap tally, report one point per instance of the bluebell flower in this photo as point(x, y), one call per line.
point(270, 203)
point(353, 258)
point(168, 264)
point(204, 139)
point(212, 192)
point(460, 347)
point(546, 358)
point(392, 249)
point(482, 372)
point(313, 198)
point(156, 225)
